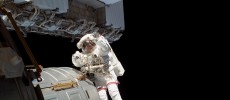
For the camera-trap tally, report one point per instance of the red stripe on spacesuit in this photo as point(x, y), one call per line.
point(112, 83)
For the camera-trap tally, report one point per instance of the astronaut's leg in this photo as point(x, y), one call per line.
point(113, 91)
point(100, 83)
point(102, 93)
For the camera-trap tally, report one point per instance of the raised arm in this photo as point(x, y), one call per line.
point(103, 46)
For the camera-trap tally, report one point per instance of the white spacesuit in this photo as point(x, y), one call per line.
point(97, 57)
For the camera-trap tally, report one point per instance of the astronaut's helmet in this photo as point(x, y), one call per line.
point(88, 43)
point(86, 38)
point(88, 46)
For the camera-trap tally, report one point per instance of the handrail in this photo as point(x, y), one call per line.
point(25, 45)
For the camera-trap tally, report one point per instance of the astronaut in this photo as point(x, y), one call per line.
point(97, 57)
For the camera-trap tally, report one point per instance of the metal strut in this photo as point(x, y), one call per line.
point(25, 45)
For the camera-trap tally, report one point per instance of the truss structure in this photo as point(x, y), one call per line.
point(32, 19)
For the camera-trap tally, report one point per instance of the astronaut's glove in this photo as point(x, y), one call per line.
point(77, 55)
